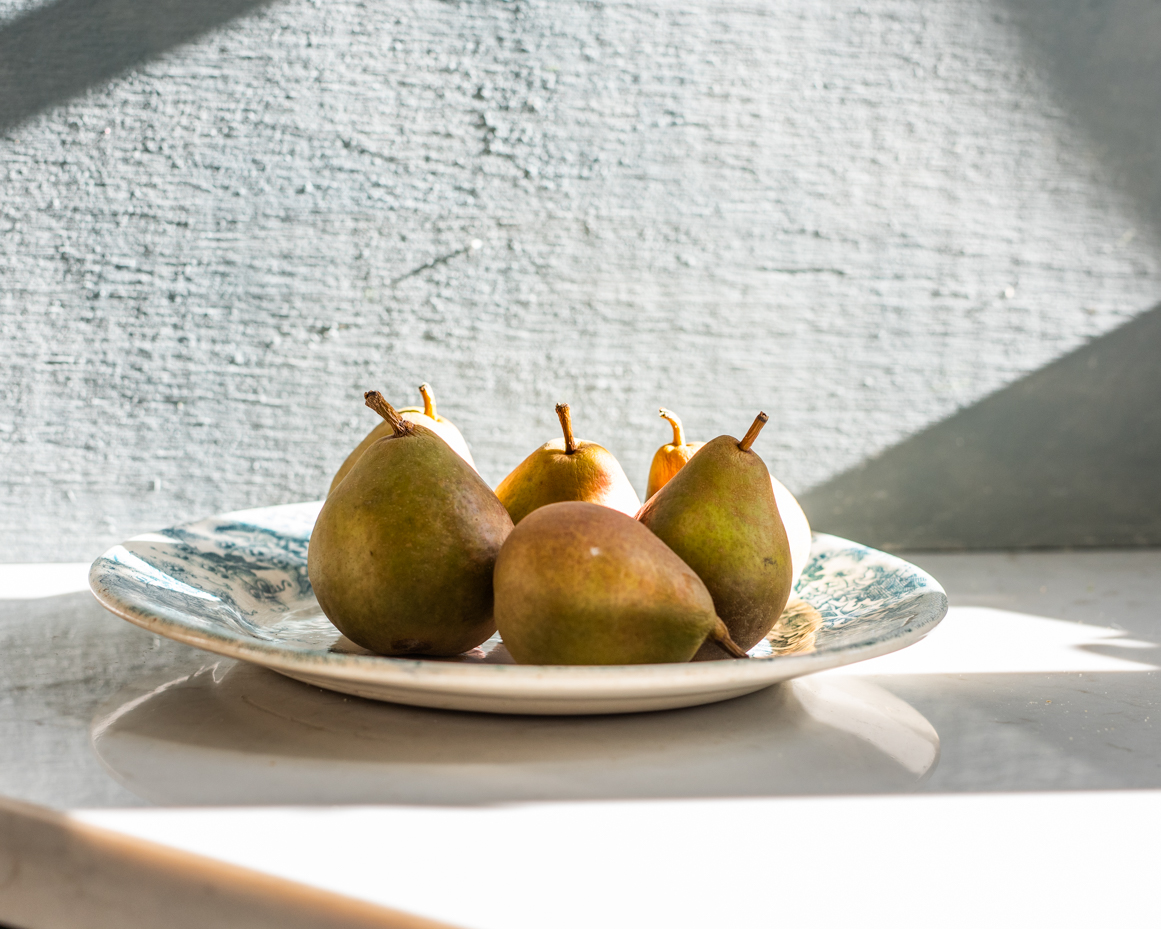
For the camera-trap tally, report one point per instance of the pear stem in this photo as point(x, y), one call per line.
point(565, 417)
point(721, 635)
point(678, 432)
point(399, 426)
point(752, 432)
point(428, 401)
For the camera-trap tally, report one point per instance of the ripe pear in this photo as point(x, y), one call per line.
point(579, 583)
point(720, 516)
point(444, 428)
point(425, 417)
point(671, 458)
point(568, 469)
point(402, 552)
point(797, 528)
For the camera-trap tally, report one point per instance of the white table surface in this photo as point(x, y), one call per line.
point(1004, 771)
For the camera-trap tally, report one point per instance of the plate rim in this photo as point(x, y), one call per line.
point(479, 679)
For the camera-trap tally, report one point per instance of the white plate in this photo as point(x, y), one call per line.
point(236, 585)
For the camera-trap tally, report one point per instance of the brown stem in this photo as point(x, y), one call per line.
point(398, 424)
point(721, 635)
point(428, 401)
point(752, 432)
point(678, 432)
point(565, 416)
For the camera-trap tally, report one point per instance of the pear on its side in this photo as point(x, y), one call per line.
point(402, 553)
point(425, 417)
point(671, 458)
point(568, 469)
point(578, 583)
point(719, 515)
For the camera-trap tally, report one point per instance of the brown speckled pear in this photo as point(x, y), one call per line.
point(402, 553)
point(718, 513)
point(421, 417)
point(671, 458)
point(571, 469)
point(579, 583)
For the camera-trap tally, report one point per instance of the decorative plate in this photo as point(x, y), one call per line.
point(236, 585)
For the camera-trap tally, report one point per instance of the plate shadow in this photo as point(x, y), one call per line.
point(233, 733)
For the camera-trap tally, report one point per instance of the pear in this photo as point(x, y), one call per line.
point(579, 583)
point(402, 552)
point(444, 428)
point(671, 458)
point(425, 417)
point(567, 470)
point(720, 516)
point(797, 528)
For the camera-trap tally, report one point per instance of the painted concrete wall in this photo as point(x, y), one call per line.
point(858, 216)
point(1068, 456)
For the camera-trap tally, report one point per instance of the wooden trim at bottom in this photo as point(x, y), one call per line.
point(56, 873)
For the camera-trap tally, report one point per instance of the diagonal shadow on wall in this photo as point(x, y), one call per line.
point(1070, 455)
point(61, 49)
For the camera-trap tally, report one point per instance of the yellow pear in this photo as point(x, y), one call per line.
point(445, 429)
point(564, 470)
point(797, 528)
point(423, 417)
point(671, 458)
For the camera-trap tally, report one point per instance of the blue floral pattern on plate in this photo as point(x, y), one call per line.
point(237, 584)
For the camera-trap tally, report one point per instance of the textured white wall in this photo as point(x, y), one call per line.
point(859, 216)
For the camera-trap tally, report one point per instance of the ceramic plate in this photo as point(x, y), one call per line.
point(237, 585)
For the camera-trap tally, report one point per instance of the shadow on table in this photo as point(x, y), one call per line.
point(1065, 650)
point(1039, 731)
point(237, 734)
point(61, 658)
point(175, 726)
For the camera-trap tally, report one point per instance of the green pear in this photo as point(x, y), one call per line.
point(402, 552)
point(565, 470)
point(719, 514)
point(671, 458)
point(580, 583)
